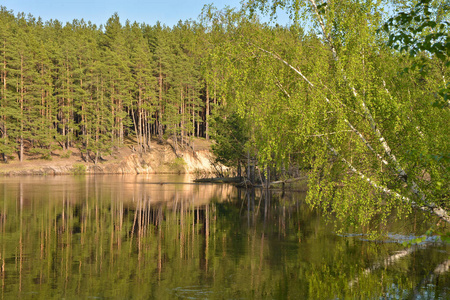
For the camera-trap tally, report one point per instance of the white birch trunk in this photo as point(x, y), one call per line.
point(429, 207)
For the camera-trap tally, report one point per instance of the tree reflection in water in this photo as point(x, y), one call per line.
point(131, 237)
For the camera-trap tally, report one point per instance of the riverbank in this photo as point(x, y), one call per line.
point(299, 184)
point(161, 159)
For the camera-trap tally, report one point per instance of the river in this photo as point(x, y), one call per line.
point(162, 237)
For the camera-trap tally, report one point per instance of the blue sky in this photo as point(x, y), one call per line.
point(168, 12)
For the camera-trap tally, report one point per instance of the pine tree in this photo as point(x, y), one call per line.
point(165, 61)
point(43, 130)
point(144, 104)
point(8, 106)
point(117, 60)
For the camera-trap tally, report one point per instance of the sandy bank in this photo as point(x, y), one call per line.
point(125, 160)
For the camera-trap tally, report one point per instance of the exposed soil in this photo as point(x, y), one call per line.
point(125, 160)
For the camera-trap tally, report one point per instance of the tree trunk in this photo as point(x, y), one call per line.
point(22, 97)
point(159, 118)
point(207, 114)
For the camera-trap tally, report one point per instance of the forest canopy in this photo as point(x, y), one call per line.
point(358, 100)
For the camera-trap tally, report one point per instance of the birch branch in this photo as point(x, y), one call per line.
point(278, 84)
point(415, 189)
point(287, 64)
point(366, 178)
point(322, 25)
point(326, 99)
point(366, 142)
point(428, 207)
point(288, 181)
point(340, 102)
point(431, 207)
point(434, 209)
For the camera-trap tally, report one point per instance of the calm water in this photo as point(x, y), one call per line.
point(153, 237)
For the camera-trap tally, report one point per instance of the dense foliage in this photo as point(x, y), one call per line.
point(79, 85)
point(337, 101)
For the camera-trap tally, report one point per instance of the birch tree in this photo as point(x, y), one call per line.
point(355, 127)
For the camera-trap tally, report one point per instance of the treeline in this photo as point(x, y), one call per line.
point(79, 85)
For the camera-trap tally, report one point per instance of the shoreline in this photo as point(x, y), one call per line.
point(161, 159)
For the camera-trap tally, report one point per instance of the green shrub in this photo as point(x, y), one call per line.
point(66, 154)
point(42, 152)
point(178, 165)
point(79, 169)
point(47, 156)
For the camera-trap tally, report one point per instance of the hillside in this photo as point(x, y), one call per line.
point(124, 160)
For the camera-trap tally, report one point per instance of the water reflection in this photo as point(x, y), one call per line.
point(127, 237)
